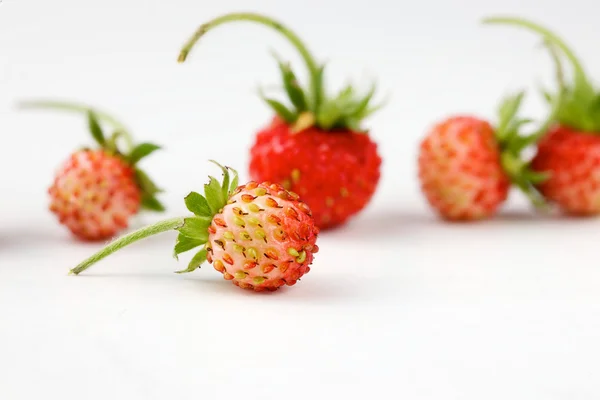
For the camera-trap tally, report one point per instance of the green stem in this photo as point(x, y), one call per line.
point(112, 142)
point(551, 118)
point(81, 108)
point(311, 64)
point(560, 77)
point(580, 76)
point(119, 243)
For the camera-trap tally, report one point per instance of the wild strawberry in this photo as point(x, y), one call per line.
point(258, 235)
point(96, 191)
point(316, 146)
point(570, 151)
point(466, 166)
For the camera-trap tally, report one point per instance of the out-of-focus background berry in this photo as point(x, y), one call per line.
point(397, 305)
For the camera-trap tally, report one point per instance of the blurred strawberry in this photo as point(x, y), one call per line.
point(97, 190)
point(466, 165)
point(570, 151)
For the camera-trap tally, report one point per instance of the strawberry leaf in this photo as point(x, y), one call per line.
point(197, 204)
point(328, 115)
point(316, 90)
point(195, 262)
point(535, 178)
point(184, 244)
point(140, 151)
point(234, 182)
point(353, 124)
point(290, 83)
point(214, 195)
point(371, 110)
point(149, 190)
point(506, 114)
point(196, 228)
point(95, 128)
point(151, 203)
point(281, 110)
point(362, 105)
point(145, 183)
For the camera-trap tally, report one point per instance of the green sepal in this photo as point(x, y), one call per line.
point(521, 175)
point(149, 190)
point(197, 204)
point(214, 195)
point(140, 151)
point(151, 203)
point(184, 244)
point(146, 184)
point(95, 128)
point(363, 104)
point(512, 143)
point(506, 115)
point(292, 88)
point(353, 124)
point(235, 182)
point(227, 188)
point(282, 111)
point(328, 115)
point(372, 110)
point(195, 262)
point(196, 228)
point(535, 178)
point(316, 89)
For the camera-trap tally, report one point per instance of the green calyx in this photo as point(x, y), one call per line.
point(310, 106)
point(193, 230)
point(579, 102)
point(512, 144)
point(132, 154)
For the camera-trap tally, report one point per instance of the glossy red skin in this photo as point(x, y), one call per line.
point(338, 171)
point(94, 194)
point(460, 171)
point(573, 160)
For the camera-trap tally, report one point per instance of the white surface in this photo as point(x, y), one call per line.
point(397, 304)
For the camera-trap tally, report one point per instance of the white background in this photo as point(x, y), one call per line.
point(398, 305)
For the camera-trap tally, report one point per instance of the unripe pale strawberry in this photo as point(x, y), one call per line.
point(460, 169)
point(97, 190)
point(94, 194)
point(260, 236)
point(263, 238)
point(466, 165)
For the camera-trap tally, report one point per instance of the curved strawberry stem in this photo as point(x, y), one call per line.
point(119, 127)
point(581, 79)
point(159, 227)
point(310, 62)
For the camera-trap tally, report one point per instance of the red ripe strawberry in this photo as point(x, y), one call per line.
point(572, 159)
point(336, 188)
point(259, 236)
point(466, 166)
point(96, 191)
point(570, 152)
point(316, 146)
